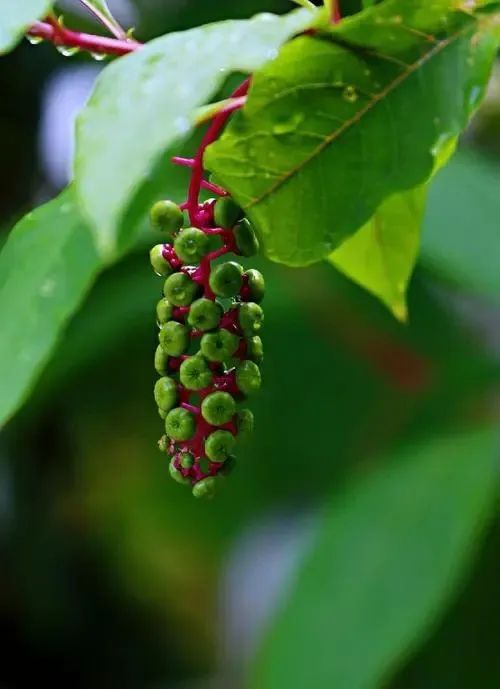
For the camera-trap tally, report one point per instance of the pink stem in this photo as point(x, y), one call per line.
point(336, 15)
point(209, 186)
point(75, 39)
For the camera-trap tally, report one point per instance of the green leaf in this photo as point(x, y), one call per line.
point(16, 16)
point(389, 554)
point(339, 122)
point(146, 101)
point(381, 255)
point(461, 235)
point(46, 267)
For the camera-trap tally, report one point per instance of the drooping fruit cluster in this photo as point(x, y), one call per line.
point(210, 350)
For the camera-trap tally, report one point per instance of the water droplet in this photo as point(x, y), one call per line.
point(475, 95)
point(99, 57)
point(34, 40)
point(287, 124)
point(350, 94)
point(66, 50)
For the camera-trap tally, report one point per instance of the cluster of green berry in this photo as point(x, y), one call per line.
point(209, 346)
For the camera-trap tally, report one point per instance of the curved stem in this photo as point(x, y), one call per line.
point(110, 23)
point(60, 35)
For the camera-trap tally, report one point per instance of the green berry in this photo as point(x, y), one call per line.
point(219, 346)
point(205, 488)
point(218, 445)
point(246, 239)
point(161, 361)
point(255, 350)
point(164, 311)
point(204, 314)
point(180, 290)
point(177, 475)
point(226, 279)
point(166, 216)
point(248, 377)
point(174, 338)
point(195, 373)
point(162, 413)
point(163, 443)
point(218, 408)
point(228, 466)
point(180, 424)
point(166, 393)
point(186, 460)
point(226, 213)
point(191, 245)
point(251, 318)
point(160, 265)
point(256, 284)
point(244, 423)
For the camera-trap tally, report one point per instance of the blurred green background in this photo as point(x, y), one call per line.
point(113, 576)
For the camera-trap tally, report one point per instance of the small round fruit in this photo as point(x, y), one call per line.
point(195, 374)
point(161, 361)
point(204, 314)
point(177, 475)
point(163, 443)
point(255, 350)
point(244, 423)
point(164, 311)
point(256, 284)
point(160, 265)
point(226, 279)
point(180, 290)
point(227, 213)
point(248, 377)
point(219, 346)
point(205, 488)
point(218, 445)
point(246, 239)
point(166, 393)
point(180, 424)
point(166, 216)
point(251, 318)
point(191, 245)
point(174, 338)
point(218, 408)
point(162, 413)
point(186, 460)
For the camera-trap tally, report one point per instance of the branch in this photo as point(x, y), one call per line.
point(59, 35)
point(108, 21)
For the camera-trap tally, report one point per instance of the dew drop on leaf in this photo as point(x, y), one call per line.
point(350, 94)
point(288, 124)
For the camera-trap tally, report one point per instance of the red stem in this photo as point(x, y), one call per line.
point(59, 35)
point(336, 15)
point(209, 186)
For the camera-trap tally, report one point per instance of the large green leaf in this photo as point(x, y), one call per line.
point(381, 255)
point(144, 102)
point(46, 267)
point(388, 556)
point(16, 16)
point(340, 121)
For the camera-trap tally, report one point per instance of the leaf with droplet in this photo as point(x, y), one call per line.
point(344, 119)
point(16, 17)
point(46, 267)
point(146, 101)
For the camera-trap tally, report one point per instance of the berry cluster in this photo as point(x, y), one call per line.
point(210, 350)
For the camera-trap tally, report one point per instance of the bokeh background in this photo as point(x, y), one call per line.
point(113, 576)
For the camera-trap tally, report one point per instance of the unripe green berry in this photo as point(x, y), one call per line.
point(186, 460)
point(191, 245)
point(256, 284)
point(204, 314)
point(174, 338)
point(162, 413)
point(163, 443)
point(228, 466)
point(205, 488)
point(164, 311)
point(251, 318)
point(255, 350)
point(218, 445)
point(244, 423)
point(166, 216)
point(180, 290)
point(248, 377)
point(180, 424)
point(246, 239)
point(227, 213)
point(177, 475)
point(195, 374)
point(219, 346)
point(226, 279)
point(218, 408)
point(161, 361)
point(166, 393)
point(160, 265)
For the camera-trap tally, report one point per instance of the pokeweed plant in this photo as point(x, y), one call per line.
point(325, 151)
